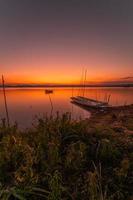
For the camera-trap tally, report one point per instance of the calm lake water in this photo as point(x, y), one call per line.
point(25, 103)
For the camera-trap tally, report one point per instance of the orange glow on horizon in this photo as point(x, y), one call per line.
point(54, 80)
point(63, 73)
point(61, 79)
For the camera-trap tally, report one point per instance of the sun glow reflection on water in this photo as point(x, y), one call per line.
point(25, 103)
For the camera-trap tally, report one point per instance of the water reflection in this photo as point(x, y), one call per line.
point(25, 103)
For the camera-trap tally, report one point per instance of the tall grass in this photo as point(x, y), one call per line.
point(63, 159)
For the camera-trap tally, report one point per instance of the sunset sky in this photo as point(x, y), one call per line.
point(51, 41)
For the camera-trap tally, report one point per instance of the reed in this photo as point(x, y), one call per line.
point(51, 103)
point(63, 159)
point(5, 101)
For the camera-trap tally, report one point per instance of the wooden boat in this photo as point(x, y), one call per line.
point(48, 91)
point(88, 102)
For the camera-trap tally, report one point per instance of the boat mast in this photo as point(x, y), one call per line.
point(85, 75)
point(81, 82)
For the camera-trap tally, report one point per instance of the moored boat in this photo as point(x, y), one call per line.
point(89, 102)
point(48, 91)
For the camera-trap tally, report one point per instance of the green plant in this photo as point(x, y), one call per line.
point(55, 186)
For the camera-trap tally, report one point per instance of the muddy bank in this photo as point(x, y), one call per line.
point(119, 118)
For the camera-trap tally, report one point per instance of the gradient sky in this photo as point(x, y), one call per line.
point(51, 41)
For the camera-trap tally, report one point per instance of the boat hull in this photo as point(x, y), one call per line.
point(48, 91)
point(88, 102)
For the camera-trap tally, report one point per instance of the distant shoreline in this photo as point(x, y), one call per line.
point(65, 86)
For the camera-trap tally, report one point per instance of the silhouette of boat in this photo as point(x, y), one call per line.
point(83, 101)
point(48, 91)
point(87, 102)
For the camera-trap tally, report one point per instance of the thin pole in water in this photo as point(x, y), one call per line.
point(109, 98)
point(51, 102)
point(5, 100)
point(72, 96)
point(72, 90)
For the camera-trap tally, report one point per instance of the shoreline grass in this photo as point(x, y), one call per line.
point(61, 159)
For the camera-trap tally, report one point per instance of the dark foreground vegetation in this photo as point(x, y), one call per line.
point(63, 159)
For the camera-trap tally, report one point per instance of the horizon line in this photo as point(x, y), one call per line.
point(125, 84)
